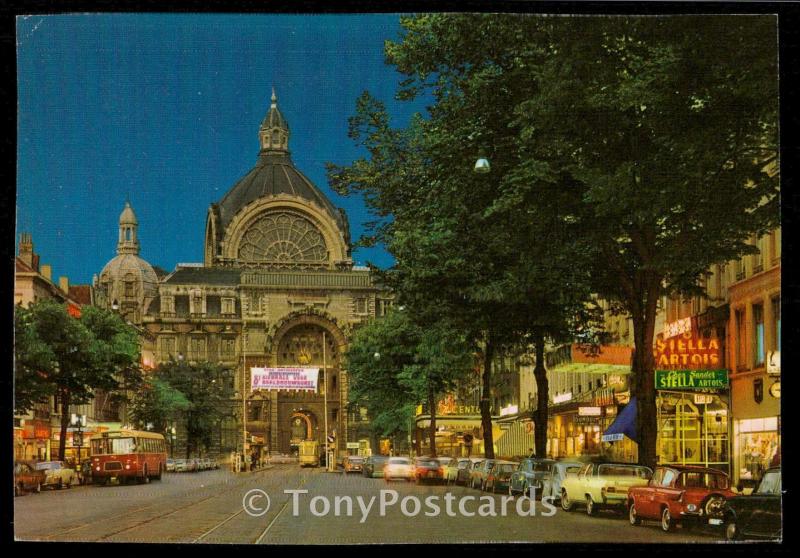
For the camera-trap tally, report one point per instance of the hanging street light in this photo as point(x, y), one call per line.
point(482, 165)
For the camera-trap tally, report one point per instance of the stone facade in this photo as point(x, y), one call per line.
point(277, 288)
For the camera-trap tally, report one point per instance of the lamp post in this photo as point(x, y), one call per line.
point(78, 421)
point(172, 437)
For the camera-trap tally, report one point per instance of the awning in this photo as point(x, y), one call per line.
point(623, 425)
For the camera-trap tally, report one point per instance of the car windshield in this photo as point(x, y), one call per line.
point(427, 463)
point(505, 467)
point(770, 484)
point(542, 466)
point(703, 480)
point(399, 461)
point(47, 465)
point(624, 471)
point(355, 459)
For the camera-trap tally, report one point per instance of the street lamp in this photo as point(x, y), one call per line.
point(482, 165)
point(172, 438)
point(78, 421)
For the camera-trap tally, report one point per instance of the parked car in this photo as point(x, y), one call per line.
point(214, 464)
point(27, 477)
point(757, 516)
point(57, 474)
point(428, 469)
point(499, 476)
point(398, 468)
point(452, 469)
point(477, 476)
point(373, 466)
point(529, 476)
point(551, 483)
point(684, 494)
point(182, 465)
point(601, 484)
point(170, 465)
point(463, 476)
point(352, 463)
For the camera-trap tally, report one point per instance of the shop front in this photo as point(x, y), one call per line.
point(692, 401)
point(32, 440)
point(756, 428)
point(575, 428)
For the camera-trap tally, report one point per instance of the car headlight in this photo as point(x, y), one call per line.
point(691, 507)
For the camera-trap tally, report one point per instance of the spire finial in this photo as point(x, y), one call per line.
point(274, 98)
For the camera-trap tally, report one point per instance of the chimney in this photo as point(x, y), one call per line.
point(47, 272)
point(26, 249)
point(63, 284)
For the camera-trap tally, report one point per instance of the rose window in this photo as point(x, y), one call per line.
point(283, 238)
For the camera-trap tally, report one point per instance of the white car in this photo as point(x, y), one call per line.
point(57, 475)
point(551, 483)
point(398, 468)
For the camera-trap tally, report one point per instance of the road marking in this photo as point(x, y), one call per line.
point(274, 519)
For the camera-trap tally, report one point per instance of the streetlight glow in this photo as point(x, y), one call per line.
point(482, 165)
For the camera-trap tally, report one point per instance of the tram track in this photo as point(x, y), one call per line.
point(129, 513)
point(263, 533)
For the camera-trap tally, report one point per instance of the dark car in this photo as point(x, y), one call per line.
point(499, 476)
point(373, 465)
point(757, 516)
point(27, 477)
point(428, 469)
point(530, 475)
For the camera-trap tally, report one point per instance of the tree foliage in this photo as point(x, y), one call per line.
point(394, 364)
point(59, 355)
point(628, 155)
point(196, 395)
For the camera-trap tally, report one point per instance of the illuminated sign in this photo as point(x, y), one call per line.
point(703, 399)
point(691, 379)
point(678, 327)
point(590, 411)
point(687, 352)
point(562, 398)
point(509, 410)
point(284, 379)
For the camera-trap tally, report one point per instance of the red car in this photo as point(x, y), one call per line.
point(428, 469)
point(680, 494)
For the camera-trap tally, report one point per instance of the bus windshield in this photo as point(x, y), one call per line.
point(103, 446)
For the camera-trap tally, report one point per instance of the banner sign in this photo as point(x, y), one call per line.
point(284, 379)
point(612, 437)
point(691, 379)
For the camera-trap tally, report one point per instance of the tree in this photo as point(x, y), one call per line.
point(654, 134)
point(196, 393)
point(158, 403)
point(394, 364)
point(58, 355)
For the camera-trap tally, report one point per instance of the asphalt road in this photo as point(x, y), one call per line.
point(209, 507)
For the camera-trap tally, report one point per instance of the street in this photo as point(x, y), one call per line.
point(208, 507)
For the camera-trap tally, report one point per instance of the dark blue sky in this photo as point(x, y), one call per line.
point(164, 110)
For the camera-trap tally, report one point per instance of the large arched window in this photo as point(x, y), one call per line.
point(283, 238)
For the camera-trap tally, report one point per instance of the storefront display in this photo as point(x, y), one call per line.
point(758, 444)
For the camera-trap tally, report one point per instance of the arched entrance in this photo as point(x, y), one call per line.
point(309, 340)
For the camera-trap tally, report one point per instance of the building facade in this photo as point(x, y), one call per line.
point(277, 288)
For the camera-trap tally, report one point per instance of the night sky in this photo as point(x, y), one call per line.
point(164, 110)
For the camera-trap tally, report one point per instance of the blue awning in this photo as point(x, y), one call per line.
point(623, 425)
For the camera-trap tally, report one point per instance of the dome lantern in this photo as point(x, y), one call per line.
point(128, 242)
point(273, 135)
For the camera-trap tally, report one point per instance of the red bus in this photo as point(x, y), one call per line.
point(127, 455)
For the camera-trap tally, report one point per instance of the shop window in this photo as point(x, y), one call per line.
point(758, 335)
point(759, 442)
point(692, 430)
point(776, 322)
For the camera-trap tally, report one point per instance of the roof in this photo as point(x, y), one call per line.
point(274, 174)
point(204, 275)
point(82, 294)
